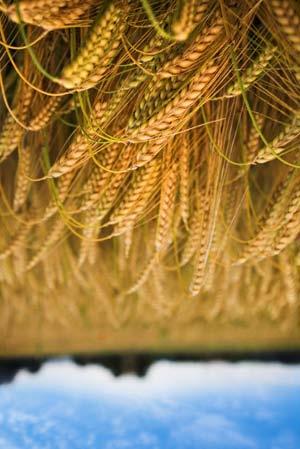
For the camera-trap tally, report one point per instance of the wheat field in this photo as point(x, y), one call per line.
point(149, 174)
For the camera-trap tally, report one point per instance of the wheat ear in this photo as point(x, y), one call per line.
point(158, 93)
point(170, 115)
point(78, 151)
point(194, 237)
point(112, 188)
point(115, 101)
point(190, 15)
point(143, 276)
point(10, 137)
point(270, 220)
point(187, 60)
point(17, 241)
point(202, 252)
point(12, 132)
point(148, 58)
point(22, 178)
point(42, 119)
point(99, 176)
point(50, 241)
point(90, 232)
point(289, 274)
point(287, 230)
point(276, 147)
point(62, 190)
point(49, 14)
point(288, 19)
point(128, 237)
point(184, 170)
point(95, 56)
point(252, 73)
point(166, 207)
point(95, 215)
point(253, 140)
point(136, 197)
point(290, 226)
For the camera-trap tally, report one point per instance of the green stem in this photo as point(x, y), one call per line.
point(252, 117)
point(154, 21)
point(29, 48)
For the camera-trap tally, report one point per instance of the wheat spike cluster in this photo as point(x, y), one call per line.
point(149, 163)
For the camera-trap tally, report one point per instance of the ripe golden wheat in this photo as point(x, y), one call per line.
point(150, 157)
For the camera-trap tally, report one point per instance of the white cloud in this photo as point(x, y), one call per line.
point(162, 378)
point(147, 440)
point(5, 444)
point(16, 417)
point(118, 444)
point(214, 429)
point(206, 426)
point(266, 415)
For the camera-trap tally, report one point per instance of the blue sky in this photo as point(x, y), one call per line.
point(177, 405)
